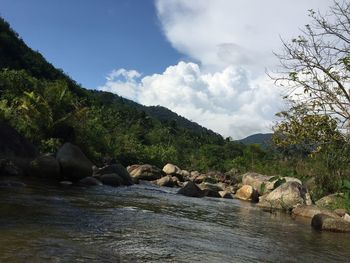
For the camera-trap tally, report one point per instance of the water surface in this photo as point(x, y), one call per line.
point(144, 223)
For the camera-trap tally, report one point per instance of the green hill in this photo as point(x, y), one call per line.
point(49, 108)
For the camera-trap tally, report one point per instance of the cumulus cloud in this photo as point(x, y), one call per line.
point(227, 101)
point(220, 33)
point(232, 41)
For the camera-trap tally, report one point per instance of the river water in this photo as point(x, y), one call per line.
point(144, 223)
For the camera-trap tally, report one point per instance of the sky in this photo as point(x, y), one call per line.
point(204, 59)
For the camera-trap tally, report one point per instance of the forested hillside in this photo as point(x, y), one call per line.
point(49, 108)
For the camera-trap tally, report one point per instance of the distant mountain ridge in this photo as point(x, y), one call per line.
point(264, 139)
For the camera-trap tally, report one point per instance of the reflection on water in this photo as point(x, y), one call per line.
point(143, 223)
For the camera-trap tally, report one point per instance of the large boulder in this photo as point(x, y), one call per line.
point(171, 169)
point(145, 172)
point(166, 181)
point(247, 193)
point(192, 190)
point(74, 164)
point(111, 179)
point(330, 201)
point(286, 197)
point(45, 166)
point(15, 147)
point(115, 169)
point(257, 180)
point(327, 223)
point(310, 211)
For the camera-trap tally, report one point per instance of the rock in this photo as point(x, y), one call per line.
point(192, 190)
point(171, 169)
point(115, 169)
point(340, 212)
point(145, 172)
point(248, 193)
point(327, 223)
point(177, 182)
point(194, 174)
point(66, 183)
point(14, 146)
point(199, 179)
point(185, 173)
point(111, 179)
point(89, 181)
point(256, 180)
point(286, 196)
point(212, 190)
point(311, 210)
point(165, 181)
point(225, 194)
point(74, 164)
point(12, 184)
point(8, 168)
point(346, 217)
point(330, 201)
point(45, 166)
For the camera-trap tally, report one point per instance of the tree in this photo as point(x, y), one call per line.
point(315, 66)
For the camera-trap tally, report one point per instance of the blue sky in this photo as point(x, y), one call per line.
point(204, 59)
point(87, 39)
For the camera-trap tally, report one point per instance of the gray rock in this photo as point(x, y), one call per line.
point(89, 181)
point(45, 166)
point(145, 172)
point(111, 179)
point(74, 164)
point(192, 190)
point(330, 201)
point(165, 181)
point(310, 211)
point(326, 223)
point(286, 197)
point(116, 169)
point(212, 190)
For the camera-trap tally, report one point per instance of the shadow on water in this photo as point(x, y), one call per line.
point(143, 223)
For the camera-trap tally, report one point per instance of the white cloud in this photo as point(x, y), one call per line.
point(227, 90)
point(225, 101)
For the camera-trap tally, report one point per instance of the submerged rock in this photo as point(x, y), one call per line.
point(327, 223)
point(191, 190)
point(74, 164)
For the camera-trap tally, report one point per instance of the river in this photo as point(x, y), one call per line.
point(144, 223)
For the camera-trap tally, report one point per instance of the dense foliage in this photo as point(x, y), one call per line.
point(49, 108)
